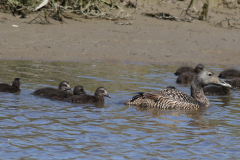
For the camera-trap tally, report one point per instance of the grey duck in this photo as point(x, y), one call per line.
point(97, 97)
point(15, 87)
point(196, 70)
point(175, 99)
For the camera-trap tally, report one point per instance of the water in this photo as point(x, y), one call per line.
point(38, 128)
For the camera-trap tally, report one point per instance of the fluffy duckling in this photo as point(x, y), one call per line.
point(186, 78)
point(229, 73)
point(195, 70)
point(15, 87)
point(216, 90)
point(55, 93)
point(235, 82)
point(78, 90)
point(97, 97)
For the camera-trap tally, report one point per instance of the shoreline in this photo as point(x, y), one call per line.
point(147, 40)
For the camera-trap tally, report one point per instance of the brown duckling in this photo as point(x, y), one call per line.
point(229, 73)
point(216, 90)
point(195, 70)
point(97, 97)
point(186, 78)
point(15, 87)
point(55, 93)
point(235, 82)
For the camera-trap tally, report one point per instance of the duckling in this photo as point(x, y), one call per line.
point(55, 93)
point(196, 70)
point(186, 78)
point(78, 90)
point(229, 73)
point(97, 97)
point(235, 82)
point(15, 87)
point(216, 90)
point(175, 99)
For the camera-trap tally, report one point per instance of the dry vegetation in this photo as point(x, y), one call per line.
point(71, 9)
point(221, 13)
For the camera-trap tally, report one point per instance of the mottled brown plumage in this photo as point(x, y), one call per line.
point(15, 87)
point(195, 70)
point(230, 73)
point(173, 98)
point(97, 97)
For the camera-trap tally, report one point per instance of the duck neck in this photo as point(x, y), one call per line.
point(99, 97)
point(198, 94)
point(17, 86)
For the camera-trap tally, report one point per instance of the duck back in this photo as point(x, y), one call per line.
point(183, 69)
point(230, 73)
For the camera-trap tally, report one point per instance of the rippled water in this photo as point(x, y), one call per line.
point(38, 128)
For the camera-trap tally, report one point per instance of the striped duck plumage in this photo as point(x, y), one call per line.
point(175, 99)
point(15, 87)
point(97, 97)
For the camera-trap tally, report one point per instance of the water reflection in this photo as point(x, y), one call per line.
point(37, 128)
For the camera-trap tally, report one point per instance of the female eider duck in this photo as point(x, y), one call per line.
point(15, 87)
point(216, 90)
point(230, 73)
point(97, 97)
point(55, 93)
point(174, 98)
point(196, 70)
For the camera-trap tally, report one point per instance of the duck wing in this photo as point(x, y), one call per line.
point(5, 87)
point(44, 91)
point(164, 99)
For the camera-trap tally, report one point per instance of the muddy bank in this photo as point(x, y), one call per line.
point(147, 40)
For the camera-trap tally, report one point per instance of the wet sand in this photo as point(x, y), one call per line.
point(147, 40)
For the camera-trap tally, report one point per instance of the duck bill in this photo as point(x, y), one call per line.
point(224, 84)
point(107, 95)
